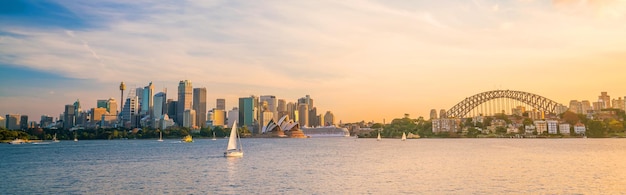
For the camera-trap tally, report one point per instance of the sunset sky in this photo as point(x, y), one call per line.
point(363, 60)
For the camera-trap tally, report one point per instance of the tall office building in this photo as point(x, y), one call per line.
point(281, 108)
point(12, 121)
point(112, 107)
point(220, 104)
point(306, 100)
point(96, 114)
point(272, 105)
point(586, 106)
point(3, 122)
point(159, 105)
point(303, 115)
point(24, 122)
point(219, 117)
point(139, 94)
point(185, 99)
point(199, 105)
point(292, 109)
point(433, 114)
point(313, 122)
point(233, 115)
point(102, 104)
point(69, 117)
point(147, 104)
point(329, 118)
point(248, 112)
point(130, 112)
point(45, 121)
point(605, 100)
point(189, 118)
point(172, 107)
point(575, 106)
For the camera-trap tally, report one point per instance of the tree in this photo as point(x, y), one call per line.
point(501, 130)
point(595, 129)
point(570, 117)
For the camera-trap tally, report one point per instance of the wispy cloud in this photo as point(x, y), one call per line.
point(339, 48)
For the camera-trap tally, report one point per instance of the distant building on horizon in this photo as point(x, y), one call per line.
point(199, 105)
point(433, 114)
point(248, 112)
point(329, 118)
point(220, 104)
point(12, 121)
point(185, 98)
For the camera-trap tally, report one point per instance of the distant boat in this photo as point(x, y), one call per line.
point(234, 150)
point(160, 136)
point(18, 141)
point(75, 138)
point(54, 138)
point(214, 136)
point(378, 139)
point(187, 139)
point(403, 136)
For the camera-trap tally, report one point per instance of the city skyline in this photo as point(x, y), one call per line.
point(363, 60)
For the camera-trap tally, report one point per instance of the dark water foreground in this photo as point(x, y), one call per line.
point(317, 166)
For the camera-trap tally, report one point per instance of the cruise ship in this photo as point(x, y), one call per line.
point(327, 131)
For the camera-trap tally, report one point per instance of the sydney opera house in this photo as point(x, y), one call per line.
point(282, 129)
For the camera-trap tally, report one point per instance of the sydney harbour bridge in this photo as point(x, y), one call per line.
point(502, 101)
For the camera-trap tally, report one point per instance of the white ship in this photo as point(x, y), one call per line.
point(327, 131)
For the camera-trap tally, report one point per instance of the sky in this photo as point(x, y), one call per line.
point(362, 60)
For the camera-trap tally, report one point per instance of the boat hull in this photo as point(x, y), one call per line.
point(233, 154)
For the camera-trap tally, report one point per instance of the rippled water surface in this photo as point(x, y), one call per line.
point(318, 166)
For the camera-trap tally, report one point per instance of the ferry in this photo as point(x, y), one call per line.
point(327, 131)
point(18, 141)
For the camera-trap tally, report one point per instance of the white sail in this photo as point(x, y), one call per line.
point(403, 136)
point(378, 136)
point(232, 141)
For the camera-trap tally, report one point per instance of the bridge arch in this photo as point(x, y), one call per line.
point(538, 102)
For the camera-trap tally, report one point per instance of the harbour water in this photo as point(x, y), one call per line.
point(317, 166)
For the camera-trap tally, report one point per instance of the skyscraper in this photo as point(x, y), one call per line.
point(69, 117)
point(329, 118)
point(184, 100)
point(281, 109)
point(13, 121)
point(199, 105)
point(112, 106)
point(159, 105)
point(220, 104)
point(233, 115)
point(306, 100)
point(605, 100)
point(248, 111)
point(271, 105)
point(433, 114)
point(102, 104)
point(303, 115)
point(24, 122)
point(147, 104)
point(313, 117)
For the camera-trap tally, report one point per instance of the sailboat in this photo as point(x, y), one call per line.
point(160, 136)
point(75, 138)
point(378, 139)
point(54, 138)
point(403, 136)
point(234, 150)
point(214, 136)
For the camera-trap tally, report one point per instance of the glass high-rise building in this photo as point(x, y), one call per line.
point(146, 101)
point(248, 109)
point(159, 105)
point(185, 98)
point(220, 104)
point(272, 105)
point(199, 105)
